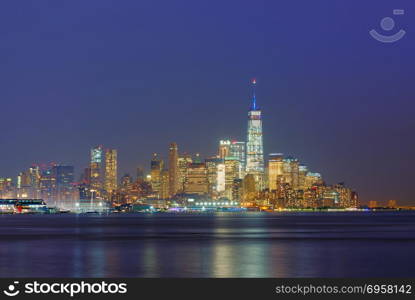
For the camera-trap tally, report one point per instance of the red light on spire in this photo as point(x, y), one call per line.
point(253, 81)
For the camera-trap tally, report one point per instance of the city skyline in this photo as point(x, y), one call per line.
point(339, 101)
point(105, 175)
point(237, 174)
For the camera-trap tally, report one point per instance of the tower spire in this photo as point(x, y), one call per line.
point(253, 103)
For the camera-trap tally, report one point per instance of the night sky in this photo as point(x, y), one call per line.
point(137, 75)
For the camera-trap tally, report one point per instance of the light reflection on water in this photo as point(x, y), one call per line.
point(224, 245)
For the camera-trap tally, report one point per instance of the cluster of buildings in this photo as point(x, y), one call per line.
point(281, 183)
point(57, 186)
point(238, 174)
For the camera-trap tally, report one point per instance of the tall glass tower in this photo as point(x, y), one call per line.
point(254, 146)
point(97, 170)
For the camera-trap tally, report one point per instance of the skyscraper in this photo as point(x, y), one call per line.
point(212, 165)
point(97, 172)
point(173, 169)
point(110, 171)
point(140, 173)
point(254, 145)
point(231, 173)
point(157, 166)
point(238, 151)
point(275, 170)
point(224, 148)
point(183, 162)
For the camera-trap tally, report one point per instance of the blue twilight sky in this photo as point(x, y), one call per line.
point(136, 75)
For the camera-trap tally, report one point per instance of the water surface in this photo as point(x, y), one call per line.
point(349, 244)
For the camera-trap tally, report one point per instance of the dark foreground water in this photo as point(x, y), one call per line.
point(218, 245)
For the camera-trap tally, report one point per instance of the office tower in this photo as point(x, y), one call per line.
point(86, 176)
point(165, 184)
point(312, 179)
point(140, 174)
point(97, 171)
point(23, 180)
point(295, 172)
point(126, 181)
point(249, 187)
point(212, 170)
point(302, 173)
point(354, 199)
point(373, 204)
point(196, 179)
point(173, 170)
point(110, 171)
point(183, 162)
point(275, 170)
point(254, 145)
point(34, 174)
point(392, 204)
point(156, 167)
point(221, 178)
point(224, 148)
point(231, 173)
point(197, 159)
point(237, 150)
point(64, 193)
point(24, 187)
point(344, 195)
point(47, 185)
point(6, 188)
point(291, 171)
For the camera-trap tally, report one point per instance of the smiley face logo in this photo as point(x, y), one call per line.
point(11, 290)
point(387, 24)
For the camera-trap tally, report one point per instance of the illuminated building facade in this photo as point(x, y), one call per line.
point(291, 171)
point(197, 179)
point(97, 170)
point(157, 166)
point(64, 193)
point(254, 145)
point(373, 204)
point(237, 150)
point(275, 170)
point(302, 173)
point(183, 163)
point(110, 171)
point(237, 189)
point(392, 204)
point(221, 178)
point(173, 169)
point(212, 164)
point(249, 188)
